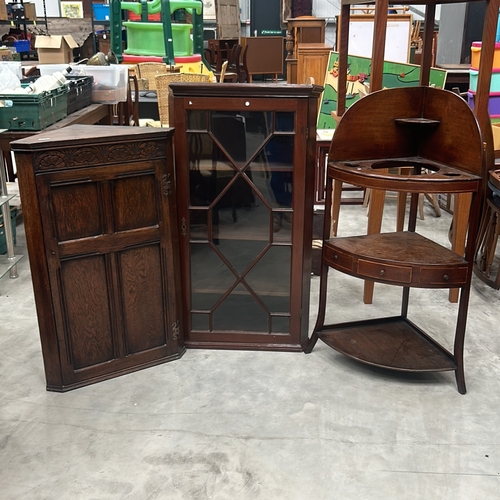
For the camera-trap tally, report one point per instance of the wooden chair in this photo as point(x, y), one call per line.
point(127, 113)
point(486, 265)
point(224, 75)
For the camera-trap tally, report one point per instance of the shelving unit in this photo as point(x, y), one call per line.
point(8, 262)
point(435, 133)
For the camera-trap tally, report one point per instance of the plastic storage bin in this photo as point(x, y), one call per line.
point(33, 111)
point(50, 69)
point(476, 55)
point(22, 45)
point(495, 80)
point(110, 83)
point(80, 92)
point(101, 12)
point(14, 66)
point(493, 103)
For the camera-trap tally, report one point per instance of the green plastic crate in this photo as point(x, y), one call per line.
point(3, 243)
point(33, 111)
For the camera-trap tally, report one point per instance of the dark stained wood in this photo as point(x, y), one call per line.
point(389, 343)
point(270, 290)
point(100, 216)
point(403, 258)
point(420, 134)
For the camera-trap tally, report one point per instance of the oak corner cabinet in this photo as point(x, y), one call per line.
point(244, 159)
point(99, 210)
point(424, 140)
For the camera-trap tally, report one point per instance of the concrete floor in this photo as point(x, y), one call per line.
point(259, 425)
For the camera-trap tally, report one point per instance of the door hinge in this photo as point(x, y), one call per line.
point(175, 330)
point(183, 227)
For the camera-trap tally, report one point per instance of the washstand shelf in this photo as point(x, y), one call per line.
point(436, 133)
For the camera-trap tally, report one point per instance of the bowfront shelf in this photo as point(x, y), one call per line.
point(403, 258)
point(394, 343)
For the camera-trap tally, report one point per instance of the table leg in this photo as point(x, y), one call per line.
point(460, 220)
point(377, 199)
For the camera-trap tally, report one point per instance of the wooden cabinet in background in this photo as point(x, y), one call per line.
point(312, 61)
point(100, 217)
point(265, 55)
point(304, 29)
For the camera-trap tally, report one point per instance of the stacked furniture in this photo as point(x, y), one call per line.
point(494, 94)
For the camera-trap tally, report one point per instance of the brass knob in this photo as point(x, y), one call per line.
point(335, 257)
point(382, 272)
point(446, 277)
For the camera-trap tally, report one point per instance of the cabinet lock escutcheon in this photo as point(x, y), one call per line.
point(183, 227)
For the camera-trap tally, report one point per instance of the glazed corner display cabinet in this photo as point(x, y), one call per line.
point(99, 212)
point(244, 159)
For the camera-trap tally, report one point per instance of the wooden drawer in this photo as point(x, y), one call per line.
point(445, 277)
point(337, 259)
point(384, 272)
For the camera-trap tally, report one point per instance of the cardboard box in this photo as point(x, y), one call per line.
point(29, 11)
point(3, 11)
point(55, 48)
point(5, 54)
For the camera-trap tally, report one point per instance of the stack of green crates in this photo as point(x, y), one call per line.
point(3, 243)
point(33, 111)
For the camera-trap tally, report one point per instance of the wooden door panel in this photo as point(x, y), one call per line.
point(74, 207)
point(142, 292)
point(86, 326)
point(135, 201)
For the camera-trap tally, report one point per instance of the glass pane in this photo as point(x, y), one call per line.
point(210, 277)
point(200, 322)
point(280, 324)
point(245, 223)
point(239, 135)
point(197, 120)
point(199, 225)
point(282, 227)
point(270, 278)
point(284, 121)
point(240, 304)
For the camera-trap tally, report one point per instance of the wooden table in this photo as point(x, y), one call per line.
point(90, 115)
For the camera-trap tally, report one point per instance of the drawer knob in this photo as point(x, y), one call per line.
point(382, 272)
point(446, 277)
point(335, 257)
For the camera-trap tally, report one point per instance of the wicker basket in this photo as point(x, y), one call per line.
point(149, 70)
point(162, 83)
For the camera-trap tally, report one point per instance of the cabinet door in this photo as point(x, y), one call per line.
point(242, 189)
point(111, 264)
